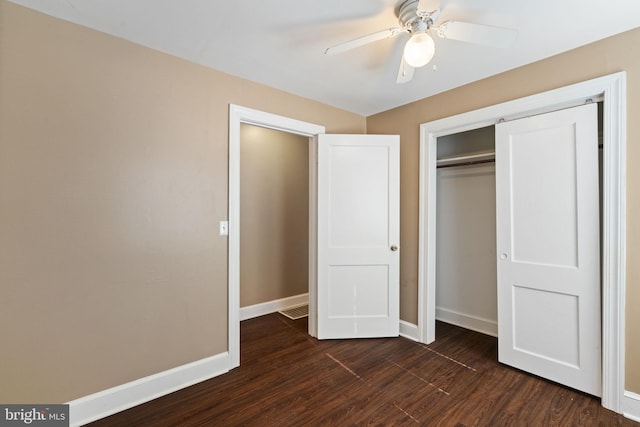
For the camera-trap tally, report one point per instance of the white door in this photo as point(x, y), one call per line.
point(358, 236)
point(547, 208)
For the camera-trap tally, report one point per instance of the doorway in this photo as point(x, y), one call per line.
point(466, 292)
point(237, 116)
point(274, 213)
point(609, 89)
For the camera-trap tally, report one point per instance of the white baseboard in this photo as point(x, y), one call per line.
point(478, 324)
point(108, 402)
point(631, 406)
point(269, 307)
point(409, 330)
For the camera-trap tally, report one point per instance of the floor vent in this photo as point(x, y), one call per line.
point(295, 313)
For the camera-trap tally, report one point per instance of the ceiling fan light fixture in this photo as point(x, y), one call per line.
point(419, 50)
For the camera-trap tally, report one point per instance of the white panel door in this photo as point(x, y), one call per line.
point(547, 208)
point(358, 236)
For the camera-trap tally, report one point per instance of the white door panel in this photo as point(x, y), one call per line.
point(358, 223)
point(544, 221)
point(537, 310)
point(359, 213)
point(358, 291)
point(548, 246)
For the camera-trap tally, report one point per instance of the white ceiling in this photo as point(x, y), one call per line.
point(281, 43)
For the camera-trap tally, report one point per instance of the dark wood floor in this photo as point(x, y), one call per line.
point(287, 378)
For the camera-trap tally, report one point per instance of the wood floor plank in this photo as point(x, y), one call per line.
point(287, 378)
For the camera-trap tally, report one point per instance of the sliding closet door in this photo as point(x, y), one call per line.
point(547, 212)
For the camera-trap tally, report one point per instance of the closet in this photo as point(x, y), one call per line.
point(466, 230)
point(518, 245)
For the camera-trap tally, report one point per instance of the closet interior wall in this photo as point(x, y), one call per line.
point(466, 275)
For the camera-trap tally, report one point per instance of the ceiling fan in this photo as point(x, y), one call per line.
point(418, 19)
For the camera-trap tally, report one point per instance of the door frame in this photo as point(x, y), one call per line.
point(237, 116)
point(612, 90)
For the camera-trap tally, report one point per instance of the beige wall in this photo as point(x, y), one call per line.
point(274, 215)
point(113, 177)
point(615, 54)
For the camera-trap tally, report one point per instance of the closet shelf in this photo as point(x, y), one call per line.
point(467, 159)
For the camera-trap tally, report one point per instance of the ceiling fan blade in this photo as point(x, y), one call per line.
point(427, 6)
point(405, 73)
point(361, 41)
point(477, 33)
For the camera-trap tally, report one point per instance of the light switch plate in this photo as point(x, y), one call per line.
point(224, 228)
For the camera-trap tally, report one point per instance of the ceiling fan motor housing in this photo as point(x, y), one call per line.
point(413, 21)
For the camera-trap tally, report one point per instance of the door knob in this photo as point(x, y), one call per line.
point(394, 248)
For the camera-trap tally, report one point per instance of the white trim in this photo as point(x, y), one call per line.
point(467, 321)
point(614, 257)
point(257, 310)
point(116, 399)
point(313, 237)
point(409, 331)
point(238, 115)
point(631, 406)
point(427, 239)
point(612, 90)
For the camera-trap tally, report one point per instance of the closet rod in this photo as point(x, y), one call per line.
point(473, 159)
point(467, 163)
